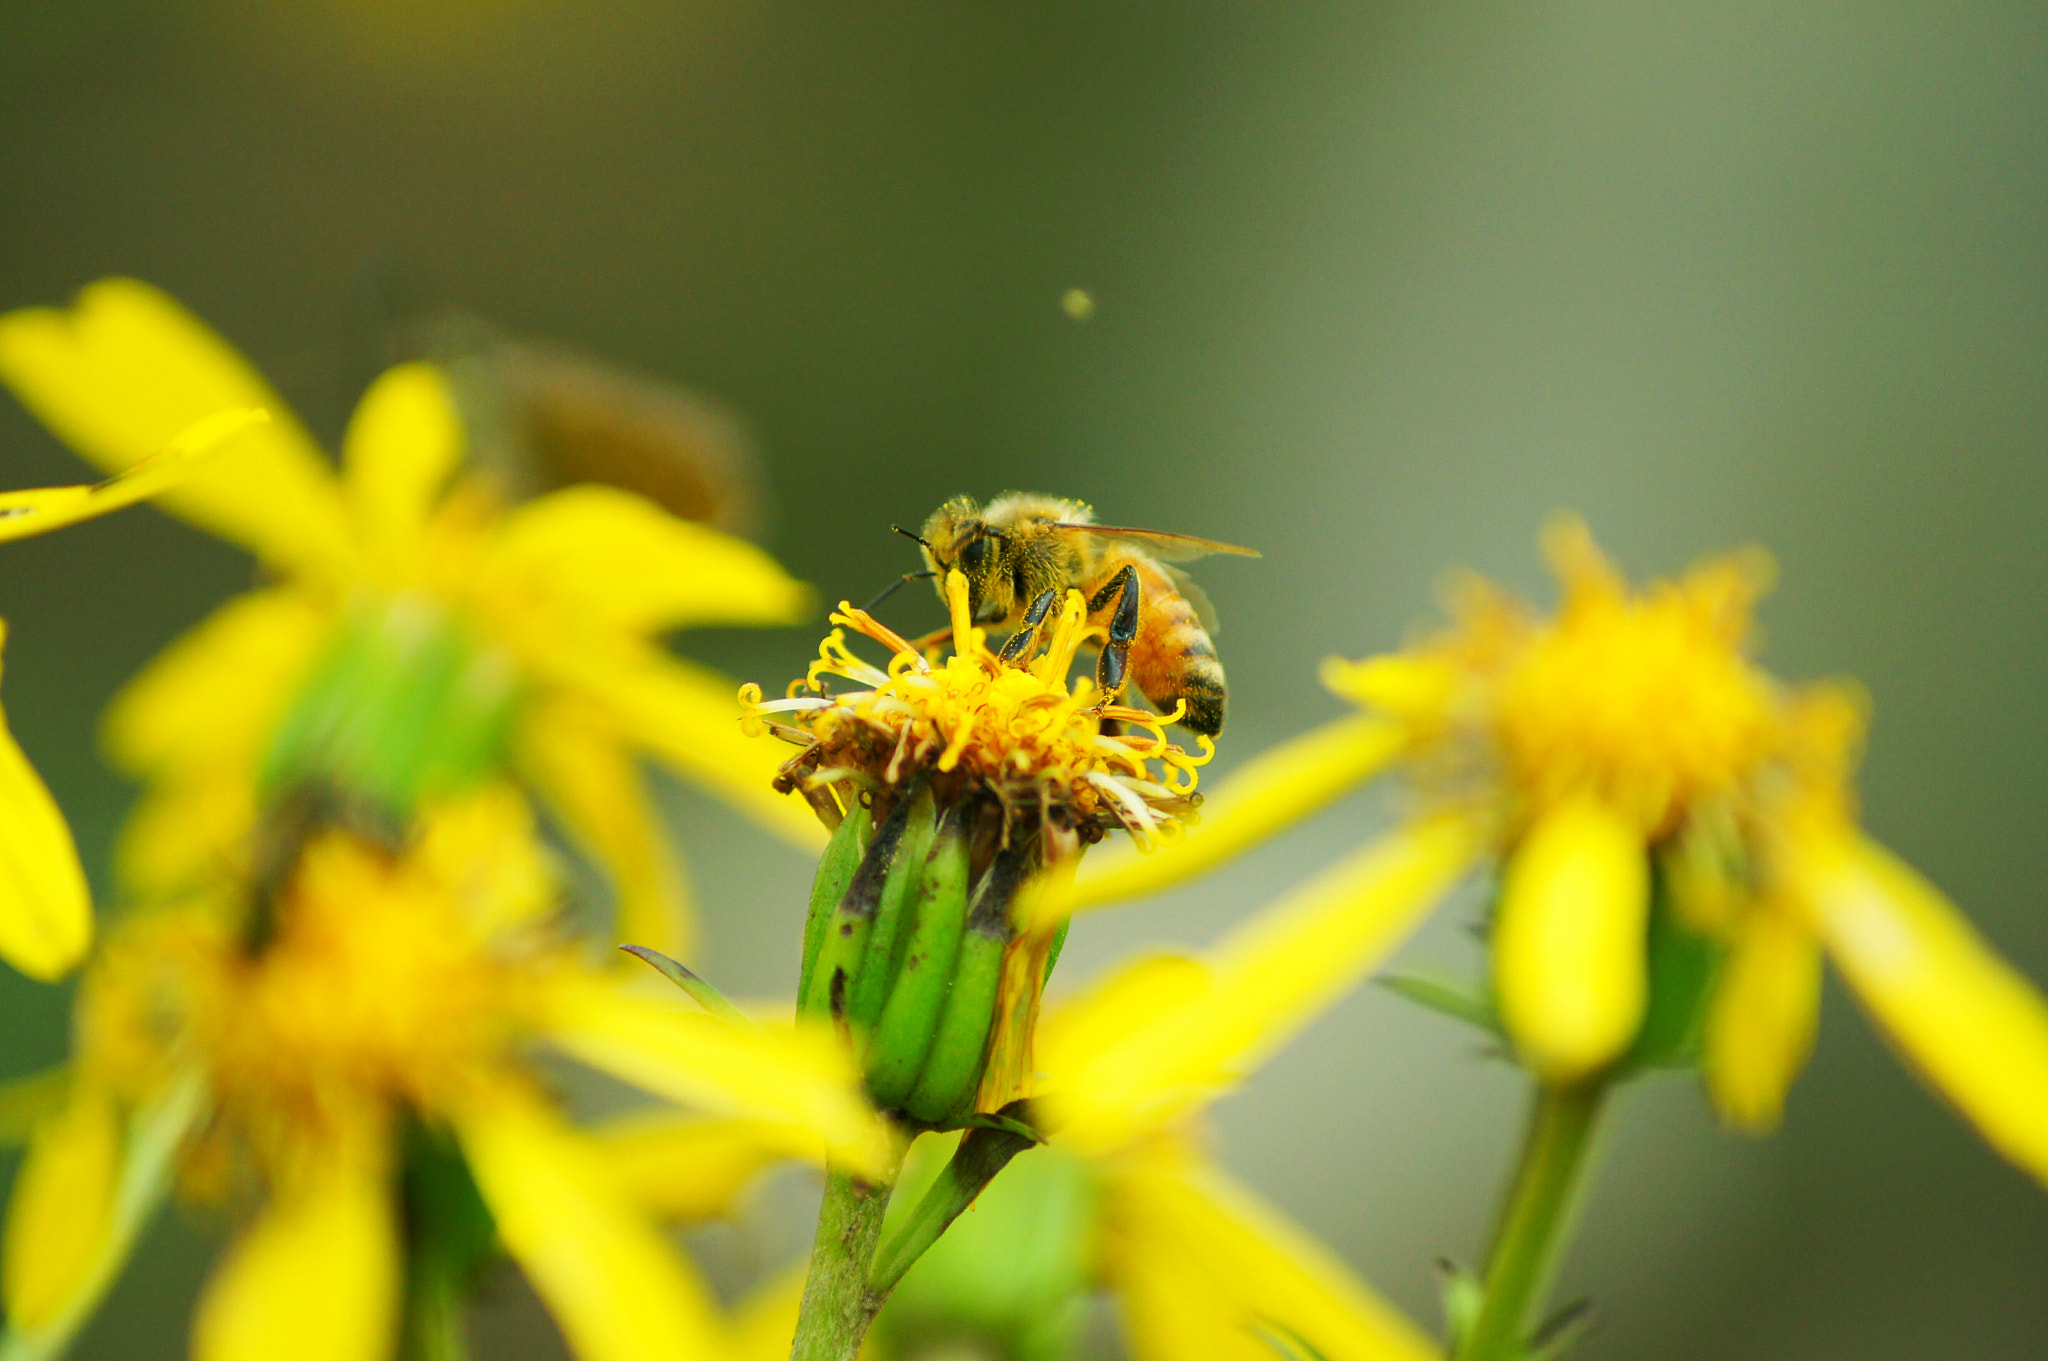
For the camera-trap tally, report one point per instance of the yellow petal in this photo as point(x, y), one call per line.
point(618, 561)
point(596, 789)
point(181, 832)
point(403, 441)
point(1201, 1266)
point(45, 910)
point(316, 1277)
point(1761, 1022)
point(687, 1168)
point(1569, 938)
point(27, 1101)
point(214, 696)
point(668, 1048)
point(62, 1213)
point(1161, 1038)
point(687, 717)
point(1268, 794)
point(1975, 1027)
point(617, 1289)
point(23, 513)
point(85, 1190)
point(125, 370)
point(766, 1323)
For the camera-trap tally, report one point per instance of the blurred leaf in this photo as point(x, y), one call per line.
point(1459, 999)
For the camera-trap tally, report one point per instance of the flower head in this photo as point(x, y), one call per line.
point(313, 1048)
point(1012, 729)
point(952, 784)
point(1674, 844)
point(424, 633)
point(1626, 738)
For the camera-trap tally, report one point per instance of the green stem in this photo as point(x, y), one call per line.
point(1536, 1221)
point(433, 1324)
point(838, 1306)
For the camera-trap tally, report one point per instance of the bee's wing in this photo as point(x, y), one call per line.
point(1194, 595)
point(1165, 547)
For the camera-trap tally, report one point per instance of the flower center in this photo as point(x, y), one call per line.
point(1013, 726)
point(1647, 703)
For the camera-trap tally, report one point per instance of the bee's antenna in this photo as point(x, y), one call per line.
point(895, 586)
point(908, 535)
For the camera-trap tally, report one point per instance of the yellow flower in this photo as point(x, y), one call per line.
point(421, 632)
point(1016, 769)
point(45, 912)
point(1198, 1264)
point(1197, 1261)
point(290, 1048)
point(1641, 779)
point(1013, 729)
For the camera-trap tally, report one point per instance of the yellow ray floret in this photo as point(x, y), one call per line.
point(45, 914)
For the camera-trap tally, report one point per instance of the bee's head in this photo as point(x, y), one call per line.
point(957, 538)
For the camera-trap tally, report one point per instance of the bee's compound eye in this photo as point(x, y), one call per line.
point(974, 556)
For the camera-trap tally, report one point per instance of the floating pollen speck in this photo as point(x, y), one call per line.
point(1078, 303)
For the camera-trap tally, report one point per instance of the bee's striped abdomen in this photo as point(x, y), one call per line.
point(1173, 659)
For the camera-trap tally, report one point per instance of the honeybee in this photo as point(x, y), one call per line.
point(1022, 553)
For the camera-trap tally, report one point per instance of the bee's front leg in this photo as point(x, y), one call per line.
point(1019, 642)
point(1123, 629)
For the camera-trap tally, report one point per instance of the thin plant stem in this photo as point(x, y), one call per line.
point(1536, 1220)
point(838, 1306)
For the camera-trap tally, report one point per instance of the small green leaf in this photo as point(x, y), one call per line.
point(708, 997)
point(1464, 1001)
point(1460, 1294)
point(1285, 1342)
point(1561, 1332)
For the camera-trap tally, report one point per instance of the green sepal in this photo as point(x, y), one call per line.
point(887, 937)
point(846, 933)
point(1459, 999)
point(903, 1034)
point(1052, 953)
point(835, 871)
point(945, 1090)
point(1682, 966)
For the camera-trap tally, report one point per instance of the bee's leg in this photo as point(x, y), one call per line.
point(1019, 642)
point(1123, 628)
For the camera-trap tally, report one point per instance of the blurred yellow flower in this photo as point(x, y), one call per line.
point(45, 912)
point(421, 632)
point(291, 1049)
point(1198, 1264)
point(1637, 773)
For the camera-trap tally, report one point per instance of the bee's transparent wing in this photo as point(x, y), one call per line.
point(1165, 547)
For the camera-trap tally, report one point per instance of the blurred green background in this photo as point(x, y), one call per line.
point(1378, 288)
